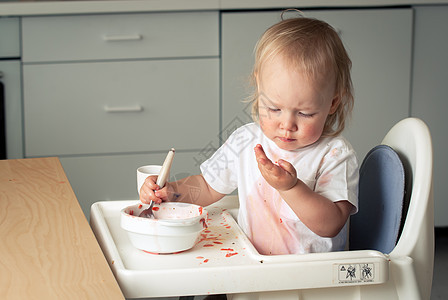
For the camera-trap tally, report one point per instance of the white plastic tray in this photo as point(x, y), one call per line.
point(224, 261)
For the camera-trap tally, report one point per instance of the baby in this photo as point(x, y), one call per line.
point(297, 178)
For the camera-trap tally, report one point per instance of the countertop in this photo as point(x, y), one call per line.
point(47, 248)
point(45, 7)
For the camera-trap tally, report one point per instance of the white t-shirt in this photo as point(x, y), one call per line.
point(329, 167)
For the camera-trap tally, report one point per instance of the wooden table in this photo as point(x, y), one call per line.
point(47, 249)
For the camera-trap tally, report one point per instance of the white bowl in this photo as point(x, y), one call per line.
point(176, 226)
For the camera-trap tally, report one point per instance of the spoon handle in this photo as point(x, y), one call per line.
point(163, 175)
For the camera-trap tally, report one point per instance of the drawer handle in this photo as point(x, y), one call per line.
point(118, 38)
point(121, 109)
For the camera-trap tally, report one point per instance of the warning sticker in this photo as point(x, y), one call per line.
point(355, 273)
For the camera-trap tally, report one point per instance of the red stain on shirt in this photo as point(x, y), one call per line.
point(155, 208)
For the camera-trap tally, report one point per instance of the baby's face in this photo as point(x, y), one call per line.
point(293, 108)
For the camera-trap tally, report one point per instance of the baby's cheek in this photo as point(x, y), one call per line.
point(311, 133)
point(262, 123)
point(262, 120)
point(267, 122)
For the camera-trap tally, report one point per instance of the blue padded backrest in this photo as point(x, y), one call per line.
point(381, 192)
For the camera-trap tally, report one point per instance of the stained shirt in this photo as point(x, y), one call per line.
point(329, 167)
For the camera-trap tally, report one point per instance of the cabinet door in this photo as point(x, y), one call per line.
point(120, 107)
point(11, 79)
point(114, 177)
point(9, 37)
point(379, 43)
point(429, 93)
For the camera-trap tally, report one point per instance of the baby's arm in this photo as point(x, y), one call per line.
point(193, 189)
point(321, 215)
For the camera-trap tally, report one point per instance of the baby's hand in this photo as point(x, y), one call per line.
point(281, 177)
point(151, 191)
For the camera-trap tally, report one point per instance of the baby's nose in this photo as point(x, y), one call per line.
point(289, 123)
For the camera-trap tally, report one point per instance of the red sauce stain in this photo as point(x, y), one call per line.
point(204, 224)
point(131, 212)
point(228, 227)
point(206, 260)
point(227, 249)
point(155, 208)
point(281, 221)
point(231, 254)
point(140, 206)
point(200, 210)
point(199, 257)
point(217, 242)
point(208, 245)
point(207, 231)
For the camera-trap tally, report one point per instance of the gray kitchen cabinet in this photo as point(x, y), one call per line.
point(430, 93)
point(120, 107)
point(10, 78)
point(109, 93)
point(379, 42)
point(9, 37)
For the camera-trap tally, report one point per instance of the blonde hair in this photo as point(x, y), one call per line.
point(314, 47)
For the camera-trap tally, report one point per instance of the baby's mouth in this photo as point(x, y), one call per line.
point(286, 140)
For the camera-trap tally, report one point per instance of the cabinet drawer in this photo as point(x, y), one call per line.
point(120, 107)
point(100, 37)
point(9, 37)
point(114, 177)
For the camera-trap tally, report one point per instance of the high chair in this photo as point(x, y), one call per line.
point(408, 271)
point(381, 267)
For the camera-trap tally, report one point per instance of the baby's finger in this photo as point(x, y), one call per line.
point(261, 157)
point(150, 181)
point(259, 152)
point(147, 195)
point(162, 194)
point(287, 166)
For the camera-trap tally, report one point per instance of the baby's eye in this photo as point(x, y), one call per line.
point(301, 114)
point(273, 109)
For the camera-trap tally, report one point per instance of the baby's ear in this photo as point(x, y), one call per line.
point(335, 104)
